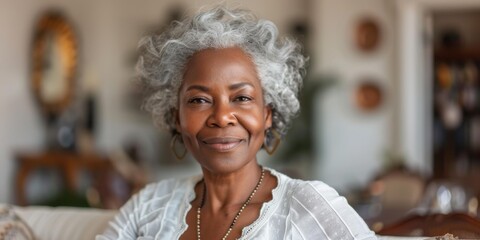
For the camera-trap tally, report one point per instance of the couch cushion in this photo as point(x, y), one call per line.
point(12, 226)
point(60, 223)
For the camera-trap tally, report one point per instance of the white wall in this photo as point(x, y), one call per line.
point(109, 31)
point(353, 142)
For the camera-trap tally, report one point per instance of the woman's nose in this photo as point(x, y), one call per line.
point(222, 115)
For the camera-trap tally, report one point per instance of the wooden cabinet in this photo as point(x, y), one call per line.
point(456, 113)
point(70, 165)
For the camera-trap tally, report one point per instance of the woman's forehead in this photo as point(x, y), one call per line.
point(216, 66)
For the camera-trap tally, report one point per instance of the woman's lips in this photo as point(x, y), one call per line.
point(222, 144)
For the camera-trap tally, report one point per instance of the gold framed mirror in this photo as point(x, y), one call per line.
point(55, 60)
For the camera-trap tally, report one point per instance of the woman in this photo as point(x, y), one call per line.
point(226, 87)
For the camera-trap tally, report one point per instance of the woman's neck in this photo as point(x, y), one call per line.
point(228, 190)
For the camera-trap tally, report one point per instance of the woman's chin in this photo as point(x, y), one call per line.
point(224, 165)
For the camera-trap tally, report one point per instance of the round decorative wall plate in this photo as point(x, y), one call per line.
point(367, 34)
point(368, 95)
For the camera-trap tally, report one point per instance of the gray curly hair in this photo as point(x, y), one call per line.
point(163, 57)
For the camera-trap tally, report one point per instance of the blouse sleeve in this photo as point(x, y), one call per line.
point(318, 212)
point(125, 224)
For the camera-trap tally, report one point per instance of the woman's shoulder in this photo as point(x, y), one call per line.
point(310, 195)
point(144, 211)
point(314, 196)
point(317, 207)
point(303, 189)
point(165, 188)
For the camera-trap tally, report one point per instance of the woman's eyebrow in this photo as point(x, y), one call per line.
point(198, 87)
point(240, 85)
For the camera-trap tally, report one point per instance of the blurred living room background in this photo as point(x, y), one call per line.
point(390, 117)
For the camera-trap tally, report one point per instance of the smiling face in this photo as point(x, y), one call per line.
point(222, 116)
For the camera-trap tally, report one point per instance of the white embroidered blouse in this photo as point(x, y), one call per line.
point(298, 210)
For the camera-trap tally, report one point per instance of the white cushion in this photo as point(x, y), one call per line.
point(49, 223)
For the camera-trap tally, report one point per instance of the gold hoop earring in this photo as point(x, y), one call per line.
point(173, 148)
point(269, 146)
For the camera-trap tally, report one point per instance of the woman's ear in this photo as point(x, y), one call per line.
point(268, 117)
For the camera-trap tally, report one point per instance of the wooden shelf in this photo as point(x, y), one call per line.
point(471, 53)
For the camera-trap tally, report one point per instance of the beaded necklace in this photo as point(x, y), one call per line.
point(239, 211)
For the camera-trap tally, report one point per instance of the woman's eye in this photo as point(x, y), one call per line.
point(243, 99)
point(198, 100)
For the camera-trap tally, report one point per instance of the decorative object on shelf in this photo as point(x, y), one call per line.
point(86, 133)
point(65, 131)
point(451, 38)
point(444, 75)
point(367, 34)
point(471, 72)
point(451, 115)
point(368, 95)
point(443, 196)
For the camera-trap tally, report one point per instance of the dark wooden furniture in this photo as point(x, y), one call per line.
point(461, 225)
point(456, 114)
point(69, 164)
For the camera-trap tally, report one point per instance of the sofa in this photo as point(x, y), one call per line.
point(61, 223)
point(50, 223)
